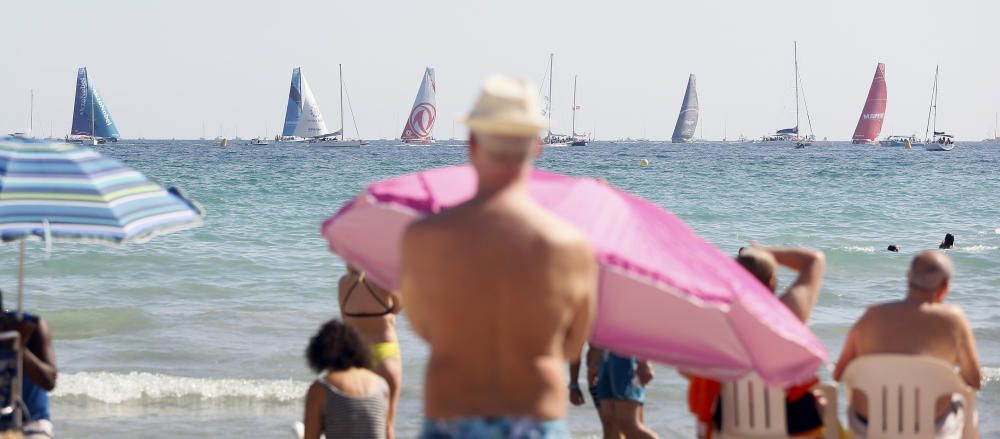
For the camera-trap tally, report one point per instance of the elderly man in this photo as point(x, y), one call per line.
point(920, 324)
point(503, 291)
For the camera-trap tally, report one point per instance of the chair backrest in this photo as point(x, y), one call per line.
point(10, 385)
point(902, 391)
point(750, 408)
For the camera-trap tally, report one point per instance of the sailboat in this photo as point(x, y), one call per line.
point(343, 141)
point(940, 141)
point(687, 119)
point(873, 114)
point(996, 138)
point(553, 139)
point(419, 126)
point(303, 119)
point(31, 120)
point(92, 121)
point(791, 135)
point(576, 139)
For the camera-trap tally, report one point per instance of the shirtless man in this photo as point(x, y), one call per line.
point(920, 324)
point(371, 311)
point(503, 291)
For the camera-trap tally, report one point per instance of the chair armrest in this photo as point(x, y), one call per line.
point(831, 423)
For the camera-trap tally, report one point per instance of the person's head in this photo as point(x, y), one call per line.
point(929, 277)
point(949, 241)
point(503, 128)
point(893, 248)
point(336, 347)
point(761, 264)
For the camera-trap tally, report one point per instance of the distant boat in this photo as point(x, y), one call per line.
point(303, 118)
point(31, 120)
point(576, 139)
point(996, 138)
point(342, 141)
point(552, 139)
point(419, 126)
point(259, 141)
point(92, 121)
point(873, 114)
point(791, 135)
point(900, 141)
point(687, 120)
point(940, 141)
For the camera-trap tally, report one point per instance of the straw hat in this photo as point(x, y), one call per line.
point(506, 107)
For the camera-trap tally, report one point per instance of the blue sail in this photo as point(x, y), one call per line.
point(91, 116)
point(294, 110)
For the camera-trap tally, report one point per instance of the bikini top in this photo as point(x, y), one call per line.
point(361, 280)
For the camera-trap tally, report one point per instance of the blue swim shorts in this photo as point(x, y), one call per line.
point(617, 379)
point(494, 428)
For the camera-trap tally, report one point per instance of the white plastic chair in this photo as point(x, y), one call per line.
point(902, 390)
point(750, 409)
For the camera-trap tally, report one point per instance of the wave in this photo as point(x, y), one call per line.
point(977, 248)
point(118, 388)
point(857, 249)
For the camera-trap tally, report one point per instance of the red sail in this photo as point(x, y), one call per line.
point(870, 123)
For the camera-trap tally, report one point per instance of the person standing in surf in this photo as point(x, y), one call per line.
point(371, 311)
point(502, 290)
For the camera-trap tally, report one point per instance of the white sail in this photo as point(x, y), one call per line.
point(311, 123)
point(420, 124)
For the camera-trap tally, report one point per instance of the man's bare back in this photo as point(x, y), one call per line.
point(920, 324)
point(504, 292)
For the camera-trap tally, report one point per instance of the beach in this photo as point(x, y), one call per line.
point(201, 333)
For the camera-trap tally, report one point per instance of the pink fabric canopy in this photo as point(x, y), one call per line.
point(665, 294)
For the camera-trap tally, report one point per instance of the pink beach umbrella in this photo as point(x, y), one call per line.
point(665, 294)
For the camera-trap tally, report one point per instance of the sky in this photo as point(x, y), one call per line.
point(165, 68)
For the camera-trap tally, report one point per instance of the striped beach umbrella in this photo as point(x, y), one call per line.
point(68, 192)
point(63, 192)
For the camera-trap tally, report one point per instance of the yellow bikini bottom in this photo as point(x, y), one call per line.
point(381, 351)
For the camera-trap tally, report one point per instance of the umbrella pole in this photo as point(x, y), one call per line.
point(18, 343)
point(20, 283)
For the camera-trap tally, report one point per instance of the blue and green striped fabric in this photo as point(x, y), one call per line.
point(76, 194)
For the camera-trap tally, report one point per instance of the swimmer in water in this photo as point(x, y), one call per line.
point(948, 243)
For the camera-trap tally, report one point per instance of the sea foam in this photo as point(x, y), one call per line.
point(117, 388)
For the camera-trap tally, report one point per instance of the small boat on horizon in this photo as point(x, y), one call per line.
point(897, 141)
point(791, 136)
point(419, 127)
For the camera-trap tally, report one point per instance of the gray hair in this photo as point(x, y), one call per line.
point(929, 271)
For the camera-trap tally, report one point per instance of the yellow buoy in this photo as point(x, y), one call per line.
point(908, 144)
point(224, 142)
point(643, 162)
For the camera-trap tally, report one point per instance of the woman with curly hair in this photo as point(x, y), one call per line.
point(347, 400)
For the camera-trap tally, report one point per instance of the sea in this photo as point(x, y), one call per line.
point(201, 333)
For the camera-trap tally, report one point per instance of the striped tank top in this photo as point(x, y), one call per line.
point(348, 417)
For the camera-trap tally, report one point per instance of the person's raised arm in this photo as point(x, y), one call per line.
point(802, 294)
point(968, 356)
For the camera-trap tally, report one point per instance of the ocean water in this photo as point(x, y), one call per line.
point(201, 333)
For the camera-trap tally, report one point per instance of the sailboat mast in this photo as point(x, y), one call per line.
point(796, 55)
point(574, 106)
point(93, 129)
point(341, 68)
point(31, 115)
point(934, 101)
point(551, 62)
